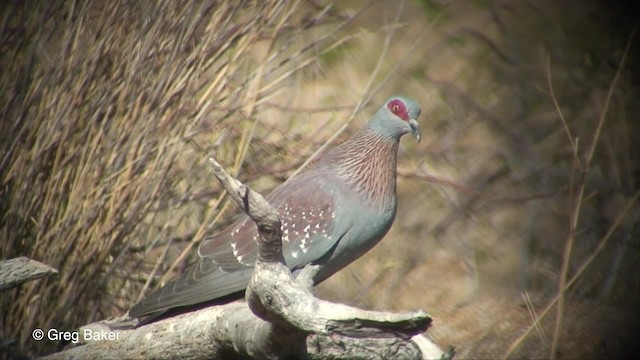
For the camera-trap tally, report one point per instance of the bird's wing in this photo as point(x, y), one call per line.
point(310, 227)
point(227, 258)
point(206, 280)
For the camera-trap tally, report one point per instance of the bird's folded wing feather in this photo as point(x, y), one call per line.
point(204, 281)
point(227, 258)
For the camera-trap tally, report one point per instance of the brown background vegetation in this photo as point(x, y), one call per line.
point(106, 106)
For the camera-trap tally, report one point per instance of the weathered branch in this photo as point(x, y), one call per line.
point(281, 317)
point(16, 271)
point(227, 331)
point(274, 295)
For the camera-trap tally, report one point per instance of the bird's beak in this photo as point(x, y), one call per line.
point(415, 130)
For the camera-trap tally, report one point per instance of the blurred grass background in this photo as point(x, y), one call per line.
point(103, 101)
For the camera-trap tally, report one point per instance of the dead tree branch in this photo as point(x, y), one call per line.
point(19, 270)
point(280, 319)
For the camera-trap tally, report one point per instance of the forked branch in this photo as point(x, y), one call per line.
point(281, 318)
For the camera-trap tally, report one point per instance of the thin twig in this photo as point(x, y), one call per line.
point(535, 318)
point(465, 189)
point(575, 277)
point(578, 203)
point(562, 119)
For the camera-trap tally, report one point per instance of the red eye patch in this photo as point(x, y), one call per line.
point(398, 108)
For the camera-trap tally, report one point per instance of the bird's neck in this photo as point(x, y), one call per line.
point(367, 161)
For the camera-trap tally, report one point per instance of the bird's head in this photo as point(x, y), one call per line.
point(397, 117)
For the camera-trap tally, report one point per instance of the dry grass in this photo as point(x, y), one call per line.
point(102, 103)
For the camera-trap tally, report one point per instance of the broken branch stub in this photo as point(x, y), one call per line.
point(274, 295)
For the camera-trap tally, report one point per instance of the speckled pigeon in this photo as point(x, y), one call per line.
point(332, 213)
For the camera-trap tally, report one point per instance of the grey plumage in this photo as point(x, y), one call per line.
point(332, 213)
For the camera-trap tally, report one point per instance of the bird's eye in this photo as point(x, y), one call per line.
point(397, 108)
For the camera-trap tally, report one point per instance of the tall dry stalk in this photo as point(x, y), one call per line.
point(101, 101)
